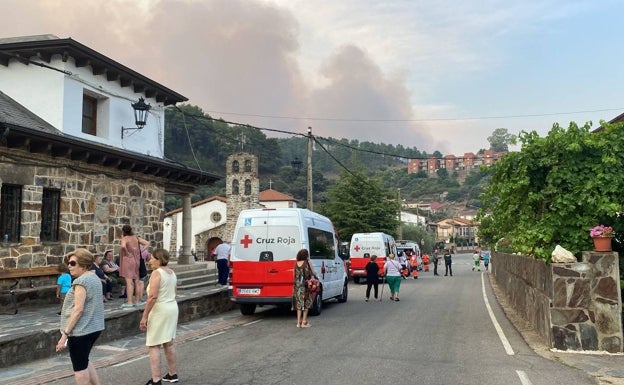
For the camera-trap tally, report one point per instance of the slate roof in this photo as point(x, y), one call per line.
point(42, 48)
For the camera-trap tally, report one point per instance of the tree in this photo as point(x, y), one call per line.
point(555, 189)
point(360, 205)
point(501, 139)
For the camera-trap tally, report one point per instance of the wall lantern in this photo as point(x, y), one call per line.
point(140, 116)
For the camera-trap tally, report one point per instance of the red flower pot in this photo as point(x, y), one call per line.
point(602, 243)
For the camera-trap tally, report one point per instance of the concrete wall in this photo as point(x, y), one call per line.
point(573, 306)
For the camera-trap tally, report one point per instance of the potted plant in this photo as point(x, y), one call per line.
point(602, 236)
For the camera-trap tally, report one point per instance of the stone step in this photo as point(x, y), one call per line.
point(195, 275)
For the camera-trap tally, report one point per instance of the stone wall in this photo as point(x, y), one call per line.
point(573, 306)
point(527, 282)
point(95, 203)
point(119, 324)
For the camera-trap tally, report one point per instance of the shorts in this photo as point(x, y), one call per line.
point(79, 349)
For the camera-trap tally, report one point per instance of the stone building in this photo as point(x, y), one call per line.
point(77, 162)
point(241, 187)
point(214, 218)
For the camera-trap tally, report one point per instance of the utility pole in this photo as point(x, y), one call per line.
point(310, 204)
point(400, 228)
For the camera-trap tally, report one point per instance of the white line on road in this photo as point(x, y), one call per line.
point(499, 330)
point(129, 361)
point(252, 322)
point(209, 336)
point(523, 377)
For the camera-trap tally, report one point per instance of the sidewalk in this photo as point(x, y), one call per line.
point(106, 354)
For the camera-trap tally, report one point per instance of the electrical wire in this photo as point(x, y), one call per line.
point(417, 120)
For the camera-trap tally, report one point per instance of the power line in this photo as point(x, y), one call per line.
point(204, 117)
point(416, 120)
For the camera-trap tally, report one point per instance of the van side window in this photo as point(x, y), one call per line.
point(321, 244)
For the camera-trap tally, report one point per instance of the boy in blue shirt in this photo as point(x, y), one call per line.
point(63, 284)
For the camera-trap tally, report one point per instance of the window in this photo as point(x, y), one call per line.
point(50, 207)
point(321, 244)
point(89, 115)
point(235, 166)
point(247, 165)
point(247, 187)
point(215, 216)
point(235, 187)
point(10, 212)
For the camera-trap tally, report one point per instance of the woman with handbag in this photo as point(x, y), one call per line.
point(303, 272)
point(129, 263)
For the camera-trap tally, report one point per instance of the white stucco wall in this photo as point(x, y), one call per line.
point(201, 222)
point(57, 99)
point(279, 204)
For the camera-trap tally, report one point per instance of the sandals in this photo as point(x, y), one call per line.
point(305, 324)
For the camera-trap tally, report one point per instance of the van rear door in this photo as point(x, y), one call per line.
point(263, 261)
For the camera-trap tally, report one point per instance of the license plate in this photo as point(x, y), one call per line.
point(249, 291)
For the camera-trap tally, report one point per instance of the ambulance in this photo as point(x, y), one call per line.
point(264, 249)
point(379, 244)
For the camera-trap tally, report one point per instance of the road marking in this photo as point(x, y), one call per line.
point(523, 377)
point(129, 361)
point(252, 322)
point(497, 326)
point(208, 336)
point(110, 348)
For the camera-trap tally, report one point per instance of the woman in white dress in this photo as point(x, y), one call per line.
point(160, 317)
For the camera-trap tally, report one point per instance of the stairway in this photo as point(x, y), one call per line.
point(196, 275)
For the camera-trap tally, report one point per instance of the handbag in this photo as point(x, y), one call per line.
point(313, 284)
point(142, 267)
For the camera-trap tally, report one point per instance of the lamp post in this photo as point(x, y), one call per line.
point(400, 228)
point(310, 203)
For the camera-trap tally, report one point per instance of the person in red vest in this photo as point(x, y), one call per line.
point(425, 259)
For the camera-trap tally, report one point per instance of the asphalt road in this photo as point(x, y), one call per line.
point(445, 330)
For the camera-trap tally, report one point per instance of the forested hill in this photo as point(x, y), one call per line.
point(195, 139)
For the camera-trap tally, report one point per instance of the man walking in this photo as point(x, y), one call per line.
point(448, 260)
point(222, 252)
point(435, 263)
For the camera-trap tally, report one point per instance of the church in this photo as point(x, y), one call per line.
point(214, 218)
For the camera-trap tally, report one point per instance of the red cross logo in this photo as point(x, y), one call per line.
point(246, 241)
point(356, 248)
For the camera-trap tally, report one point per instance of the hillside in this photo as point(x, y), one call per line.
point(195, 139)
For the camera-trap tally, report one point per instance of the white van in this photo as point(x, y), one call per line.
point(264, 250)
point(363, 245)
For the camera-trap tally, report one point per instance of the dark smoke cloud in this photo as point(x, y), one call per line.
point(235, 56)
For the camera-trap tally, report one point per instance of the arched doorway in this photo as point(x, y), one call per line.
point(210, 245)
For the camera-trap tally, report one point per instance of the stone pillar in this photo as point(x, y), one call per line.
point(187, 232)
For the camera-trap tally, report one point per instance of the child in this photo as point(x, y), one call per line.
point(63, 284)
point(477, 263)
point(372, 276)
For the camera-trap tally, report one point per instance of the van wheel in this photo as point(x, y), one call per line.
point(345, 293)
point(317, 305)
point(356, 279)
point(247, 309)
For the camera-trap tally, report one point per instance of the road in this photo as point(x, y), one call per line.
point(445, 330)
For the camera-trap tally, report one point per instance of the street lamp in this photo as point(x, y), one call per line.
point(140, 116)
point(296, 165)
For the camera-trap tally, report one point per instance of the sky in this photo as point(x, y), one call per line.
point(431, 74)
